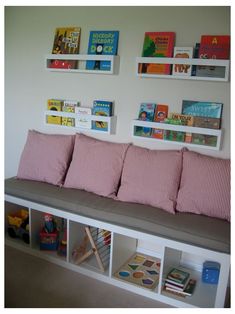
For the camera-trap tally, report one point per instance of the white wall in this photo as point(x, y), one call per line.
point(29, 34)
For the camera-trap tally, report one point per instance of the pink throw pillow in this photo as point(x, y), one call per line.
point(151, 177)
point(205, 186)
point(96, 166)
point(46, 157)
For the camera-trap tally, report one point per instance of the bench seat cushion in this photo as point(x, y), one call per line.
point(199, 230)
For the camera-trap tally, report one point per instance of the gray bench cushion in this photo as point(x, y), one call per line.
point(202, 231)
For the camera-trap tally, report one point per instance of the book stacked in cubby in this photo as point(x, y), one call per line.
point(179, 282)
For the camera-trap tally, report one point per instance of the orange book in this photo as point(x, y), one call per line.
point(161, 114)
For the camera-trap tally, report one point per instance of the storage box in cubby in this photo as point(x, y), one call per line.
point(49, 241)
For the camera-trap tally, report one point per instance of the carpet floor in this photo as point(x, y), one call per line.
point(31, 282)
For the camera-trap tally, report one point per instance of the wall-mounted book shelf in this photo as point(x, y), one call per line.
point(81, 63)
point(111, 121)
point(179, 128)
point(190, 61)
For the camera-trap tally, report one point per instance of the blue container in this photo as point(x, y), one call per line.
point(210, 272)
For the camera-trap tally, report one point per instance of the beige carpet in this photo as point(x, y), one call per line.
point(31, 282)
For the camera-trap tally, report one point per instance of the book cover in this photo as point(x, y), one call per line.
point(102, 43)
point(157, 44)
point(203, 139)
point(101, 108)
point(213, 47)
point(82, 120)
point(54, 105)
point(69, 106)
point(161, 114)
point(205, 122)
point(195, 56)
point(182, 69)
point(146, 113)
point(177, 276)
point(202, 108)
point(66, 41)
point(183, 118)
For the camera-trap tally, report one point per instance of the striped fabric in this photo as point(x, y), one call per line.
point(151, 177)
point(96, 166)
point(205, 186)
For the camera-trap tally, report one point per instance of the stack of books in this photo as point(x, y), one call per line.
point(179, 282)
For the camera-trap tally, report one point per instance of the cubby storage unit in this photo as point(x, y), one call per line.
point(179, 128)
point(190, 61)
point(123, 244)
point(114, 63)
point(111, 121)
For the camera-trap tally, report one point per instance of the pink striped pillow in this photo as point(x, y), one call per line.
point(151, 177)
point(205, 186)
point(96, 165)
point(46, 157)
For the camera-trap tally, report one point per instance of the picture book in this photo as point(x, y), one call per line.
point(213, 47)
point(146, 113)
point(101, 108)
point(175, 136)
point(203, 139)
point(82, 120)
point(54, 105)
point(161, 114)
point(177, 276)
point(69, 106)
point(141, 270)
point(205, 122)
point(183, 118)
point(188, 291)
point(66, 41)
point(182, 69)
point(195, 56)
point(157, 44)
point(202, 108)
point(102, 43)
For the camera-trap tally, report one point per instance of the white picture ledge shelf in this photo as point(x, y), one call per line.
point(114, 63)
point(179, 128)
point(111, 121)
point(189, 61)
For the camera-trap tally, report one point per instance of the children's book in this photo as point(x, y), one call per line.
point(182, 69)
point(66, 41)
point(161, 114)
point(146, 113)
point(102, 43)
point(188, 291)
point(101, 108)
point(178, 277)
point(54, 105)
point(82, 120)
point(157, 44)
point(202, 108)
point(203, 139)
point(69, 106)
point(213, 47)
point(184, 119)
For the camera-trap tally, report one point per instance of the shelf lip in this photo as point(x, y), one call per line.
point(74, 115)
point(82, 57)
point(178, 77)
point(192, 61)
point(180, 128)
point(182, 144)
